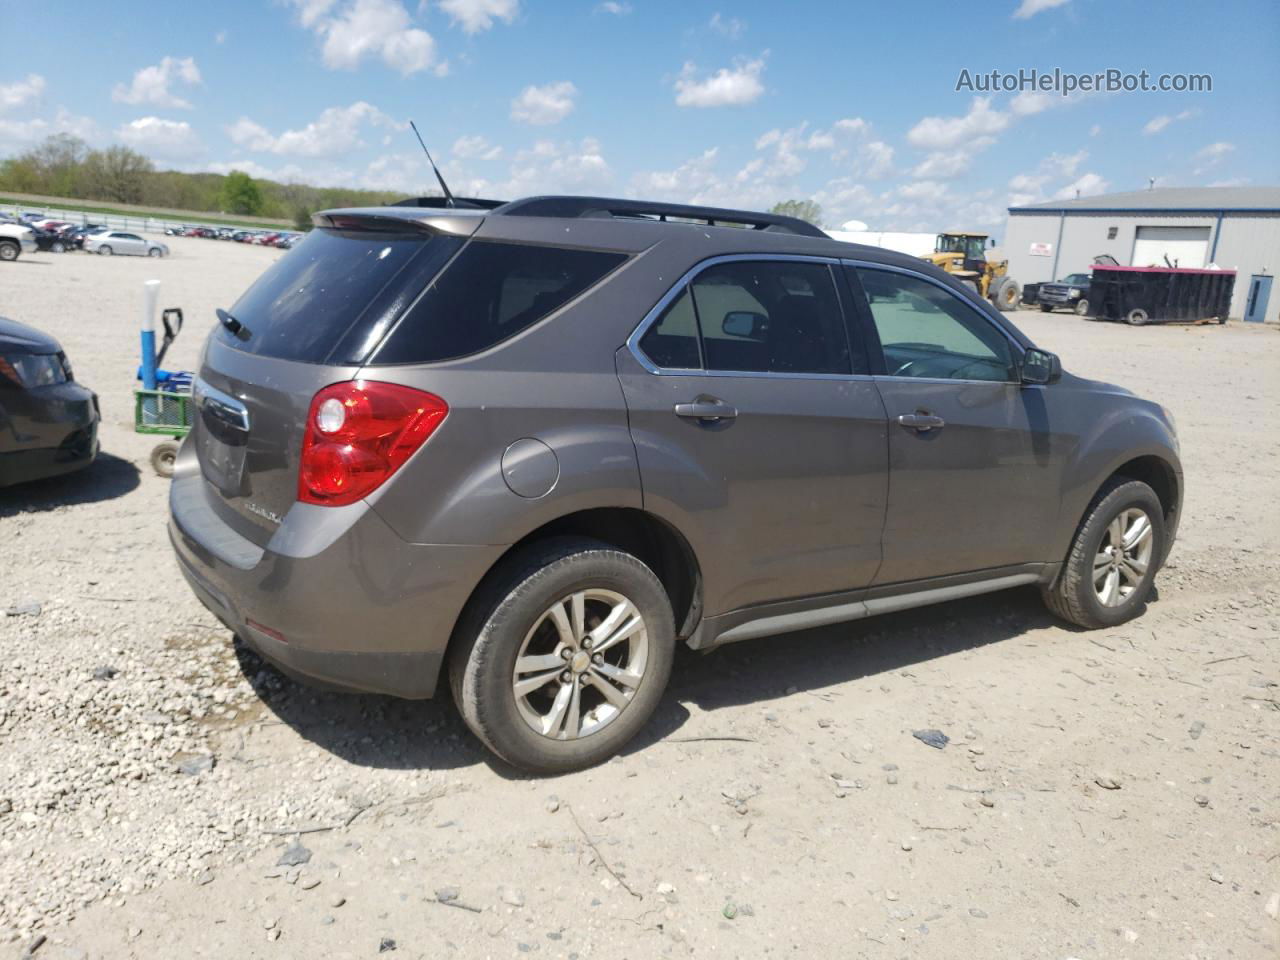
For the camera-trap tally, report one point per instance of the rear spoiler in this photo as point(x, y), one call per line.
point(458, 203)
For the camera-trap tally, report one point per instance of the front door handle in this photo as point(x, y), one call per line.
point(708, 410)
point(921, 421)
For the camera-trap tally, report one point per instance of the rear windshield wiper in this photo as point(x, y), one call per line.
point(234, 326)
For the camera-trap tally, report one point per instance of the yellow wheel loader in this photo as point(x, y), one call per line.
point(964, 256)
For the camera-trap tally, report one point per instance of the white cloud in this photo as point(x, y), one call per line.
point(475, 148)
point(876, 159)
point(853, 125)
point(336, 131)
point(944, 165)
point(545, 105)
point(220, 37)
point(1089, 185)
point(162, 139)
point(614, 7)
point(1158, 123)
point(1210, 156)
point(1029, 8)
point(21, 91)
point(150, 85)
point(730, 27)
point(475, 16)
point(728, 86)
point(368, 28)
point(21, 133)
point(546, 167)
point(944, 133)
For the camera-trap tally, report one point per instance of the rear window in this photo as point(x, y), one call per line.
point(491, 292)
point(333, 296)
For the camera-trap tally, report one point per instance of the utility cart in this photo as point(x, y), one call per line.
point(163, 404)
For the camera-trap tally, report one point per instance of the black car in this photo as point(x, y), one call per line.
point(52, 241)
point(1071, 291)
point(48, 422)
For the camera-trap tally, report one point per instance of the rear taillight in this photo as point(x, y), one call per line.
point(358, 434)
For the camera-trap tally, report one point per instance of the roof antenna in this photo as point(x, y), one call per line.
point(449, 201)
point(1151, 183)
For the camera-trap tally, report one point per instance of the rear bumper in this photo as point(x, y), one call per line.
point(361, 610)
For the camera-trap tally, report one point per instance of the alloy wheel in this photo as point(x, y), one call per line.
point(1123, 557)
point(581, 664)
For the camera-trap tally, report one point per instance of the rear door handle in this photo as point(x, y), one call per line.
point(921, 421)
point(708, 410)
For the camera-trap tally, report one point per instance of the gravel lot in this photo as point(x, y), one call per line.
point(1109, 794)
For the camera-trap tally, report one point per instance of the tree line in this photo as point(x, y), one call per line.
point(65, 166)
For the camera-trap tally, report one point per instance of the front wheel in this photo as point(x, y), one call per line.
point(1046, 308)
point(1113, 559)
point(1008, 296)
point(153, 252)
point(57, 247)
point(563, 655)
point(1082, 308)
point(1136, 317)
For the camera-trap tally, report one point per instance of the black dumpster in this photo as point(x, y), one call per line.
point(1141, 295)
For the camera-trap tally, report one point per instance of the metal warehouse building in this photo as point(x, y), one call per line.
point(1236, 228)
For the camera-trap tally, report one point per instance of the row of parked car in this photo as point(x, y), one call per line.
point(32, 232)
point(263, 238)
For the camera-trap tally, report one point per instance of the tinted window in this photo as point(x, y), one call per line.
point(672, 342)
point(771, 316)
point(331, 297)
point(926, 331)
point(490, 292)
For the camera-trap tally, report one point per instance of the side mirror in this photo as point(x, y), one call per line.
point(746, 324)
point(1041, 366)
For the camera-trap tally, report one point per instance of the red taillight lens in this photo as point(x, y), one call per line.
point(358, 434)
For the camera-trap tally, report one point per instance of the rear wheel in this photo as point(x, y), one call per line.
point(57, 247)
point(1112, 562)
point(563, 655)
point(163, 457)
point(105, 251)
point(1136, 317)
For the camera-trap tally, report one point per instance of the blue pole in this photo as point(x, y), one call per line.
point(152, 294)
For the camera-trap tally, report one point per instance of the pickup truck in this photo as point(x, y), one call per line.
point(16, 239)
point(1072, 291)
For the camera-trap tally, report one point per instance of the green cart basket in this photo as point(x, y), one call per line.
point(165, 413)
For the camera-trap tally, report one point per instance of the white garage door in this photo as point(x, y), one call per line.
point(1184, 246)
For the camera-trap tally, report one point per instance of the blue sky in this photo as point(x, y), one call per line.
point(736, 104)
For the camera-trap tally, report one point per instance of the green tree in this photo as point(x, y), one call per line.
point(116, 173)
point(240, 194)
point(803, 209)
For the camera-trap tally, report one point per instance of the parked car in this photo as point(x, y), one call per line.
point(52, 241)
point(1071, 291)
point(531, 448)
point(126, 244)
point(241, 236)
point(77, 235)
point(48, 421)
point(15, 240)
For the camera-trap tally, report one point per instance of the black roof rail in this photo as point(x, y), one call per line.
point(600, 207)
point(459, 203)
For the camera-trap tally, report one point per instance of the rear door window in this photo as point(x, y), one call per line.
point(332, 297)
point(490, 292)
point(771, 316)
point(672, 342)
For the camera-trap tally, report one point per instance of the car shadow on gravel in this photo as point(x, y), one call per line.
point(106, 478)
point(389, 733)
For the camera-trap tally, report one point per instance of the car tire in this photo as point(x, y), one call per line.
point(1082, 308)
point(163, 457)
point(1081, 593)
point(155, 252)
point(1046, 308)
point(57, 247)
point(511, 618)
point(9, 250)
point(105, 251)
point(1136, 318)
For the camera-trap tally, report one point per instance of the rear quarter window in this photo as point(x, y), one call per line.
point(491, 291)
